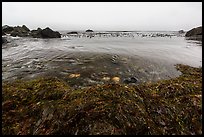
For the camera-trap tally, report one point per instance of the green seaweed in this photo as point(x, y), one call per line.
point(49, 106)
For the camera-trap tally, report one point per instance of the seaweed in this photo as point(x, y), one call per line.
point(49, 106)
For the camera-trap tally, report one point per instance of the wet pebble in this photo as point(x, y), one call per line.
point(116, 79)
point(74, 75)
point(106, 78)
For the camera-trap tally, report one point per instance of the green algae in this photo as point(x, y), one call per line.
point(49, 106)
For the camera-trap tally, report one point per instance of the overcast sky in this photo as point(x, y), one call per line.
point(103, 15)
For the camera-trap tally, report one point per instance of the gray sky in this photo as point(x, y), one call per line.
point(103, 15)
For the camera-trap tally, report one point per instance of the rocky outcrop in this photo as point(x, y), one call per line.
point(20, 31)
point(194, 32)
point(25, 28)
point(36, 33)
point(181, 31)
point(15, 31)
point(89, 30)
point(25, 32)
point(45, 33)
point(7, 29)
point(72, 32)
point(48, 33)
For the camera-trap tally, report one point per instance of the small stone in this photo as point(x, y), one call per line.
point(106, 78)
point(38, 103)
point(74, 75)
point(116, 79)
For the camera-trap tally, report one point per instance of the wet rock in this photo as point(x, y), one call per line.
point(3, 33)
point(89, 30)
point(4, 40)
point(116, 79)
point(72, 32)
point(20, 31)
point(48, 33)
point(90, 81)
point(36, 33)
point(45, 33)
point(115, 56)
point(106, 78)
point(25, 28)
point(114, 59)
point(181, 31)
point(74, 75)
point(130, 80)
point(194, 32)
point(7, 29)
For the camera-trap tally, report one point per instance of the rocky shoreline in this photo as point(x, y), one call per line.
point(54, 105)
point(25, 32)
point(194, 34)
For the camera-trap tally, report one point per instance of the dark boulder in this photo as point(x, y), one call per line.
point(181, 31)
point(20, 31)
point(89, 30)
point(36, 33)
point(48, 33)
point(7, 29)
point(194, 32)
point(44, 33)
point(3, 33)
point(15, 31)
point(4, 40)
point(72, 32)
point(25, 28)
point(130, 80)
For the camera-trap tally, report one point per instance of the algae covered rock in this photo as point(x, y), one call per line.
point(48, 106)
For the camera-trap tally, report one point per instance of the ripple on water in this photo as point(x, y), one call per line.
point(149, 59)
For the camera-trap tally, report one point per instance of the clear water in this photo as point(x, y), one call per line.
point(144, 57)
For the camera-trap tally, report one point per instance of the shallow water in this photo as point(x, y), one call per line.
point(146, 58)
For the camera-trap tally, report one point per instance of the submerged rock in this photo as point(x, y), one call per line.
point(130, 80)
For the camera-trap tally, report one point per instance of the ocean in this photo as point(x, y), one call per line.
point(99, 56)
